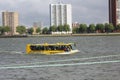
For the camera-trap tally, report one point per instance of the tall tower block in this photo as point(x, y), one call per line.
point(10, 19)
point(114, 12)
point(61, 14)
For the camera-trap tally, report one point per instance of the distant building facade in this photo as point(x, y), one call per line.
point(61, 14)
point(10, 19)
point(35, 26)
point(114, 12)
point(75, 25)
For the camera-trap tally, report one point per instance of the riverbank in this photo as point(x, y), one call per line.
point(98, 34)
point(14, 36)
point(63, 35)
point(84, 34)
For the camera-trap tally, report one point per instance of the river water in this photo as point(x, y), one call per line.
point(12, 52)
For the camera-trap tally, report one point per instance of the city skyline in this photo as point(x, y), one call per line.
point(95, 11)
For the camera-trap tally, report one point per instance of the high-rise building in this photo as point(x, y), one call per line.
point(10, 19)
point(61, 14)
point(114, 12)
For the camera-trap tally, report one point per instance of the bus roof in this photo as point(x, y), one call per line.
point(46, 44)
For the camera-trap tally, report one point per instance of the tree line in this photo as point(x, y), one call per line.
point(22, 29)
point(98, 28)
point(48, 30)
point(83, 28)
point(54, 28)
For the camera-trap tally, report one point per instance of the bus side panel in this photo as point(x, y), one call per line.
point(28, 50)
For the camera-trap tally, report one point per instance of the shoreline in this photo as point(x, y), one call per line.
point(84, 34)
point(63, 35)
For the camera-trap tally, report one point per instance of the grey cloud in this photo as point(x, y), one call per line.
point(83, 11)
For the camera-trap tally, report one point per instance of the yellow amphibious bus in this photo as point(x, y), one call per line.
point(48, 49)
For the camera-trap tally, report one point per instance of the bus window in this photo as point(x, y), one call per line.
point(52, 47)
point(32, 47)
point(70, 46)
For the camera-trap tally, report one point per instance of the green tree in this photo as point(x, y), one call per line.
point(118, 27)
point(38, 30)
point(100, 27)
point(83, 28)
point(75, 30)
point(53, 28)
point(6, 29)
point(30, 31)
point(21, 29)
point(109, 27)
point(91, 28)
point(60, 28)
point(66, 28)
point(45, 30)
point(1, 30)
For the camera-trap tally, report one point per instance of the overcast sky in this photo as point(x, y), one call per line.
point(83, 11)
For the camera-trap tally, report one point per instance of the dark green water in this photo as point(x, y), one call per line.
point(12, 51)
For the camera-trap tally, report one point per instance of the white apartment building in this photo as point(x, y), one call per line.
point(61, 14)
